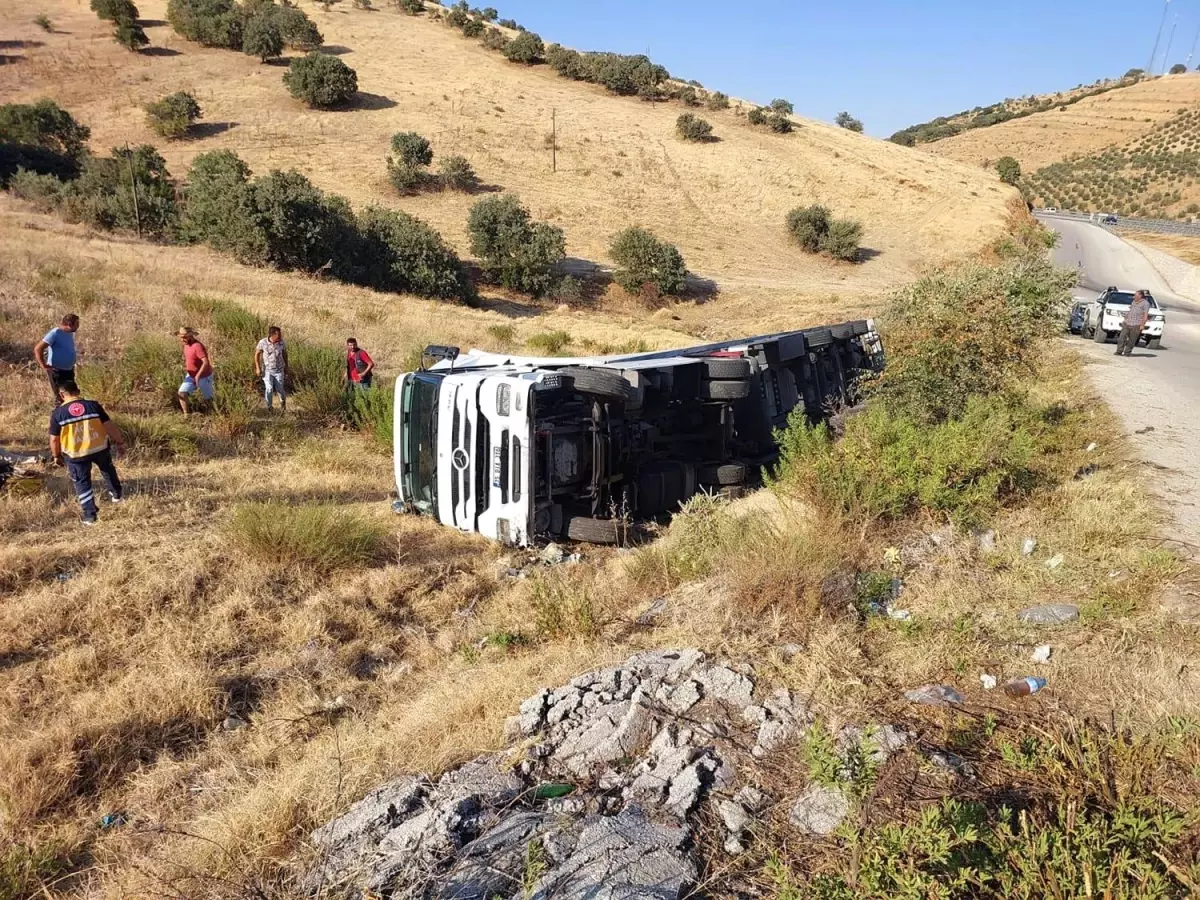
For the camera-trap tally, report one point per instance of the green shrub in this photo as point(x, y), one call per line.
point(847, 121)
point(783, 107)
point(320, 80)
point(757, 116)
point(299, 226)
point(115, 10)
point(624, 75)
point(473, 27)
point(239, 327)
point(780, 123)
point(317, 379)
point(1008, 169)
point(567, 289)
point(102, 196)
point(130, 34)
point(973, 330)
point(219, 210)
point(525, 48)
point(717, 100)
point(263, 38)
point(173, 115)
point(455, 174)
point(411, 149)
point(888, 466)
point(319, 538)
point(43, 191)
point(816, 232)
point(512, 248)
point(843, 239)
point(1177, 69)
point(688, 96)
point(371, 413)
point(809, 226)
point(297, 30)
point(567, 63)
point(411, 7)
point(40, 137)
point(551, 343)
point(43, 21)
point(213, 23)
point(402, 253)
point(490, 14)
point(691, 127)
point(495, 39)
point(645, 260)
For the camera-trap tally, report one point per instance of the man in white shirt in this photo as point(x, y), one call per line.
point(271, 365)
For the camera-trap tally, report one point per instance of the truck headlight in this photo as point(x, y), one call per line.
point(503, 399)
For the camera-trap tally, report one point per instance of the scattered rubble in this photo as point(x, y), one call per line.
point(1029, 546)
point(988, 682)
point(1041, 654)
point(604, 784)
point(934, 695)
point(1055, 561)
point(1050, 614)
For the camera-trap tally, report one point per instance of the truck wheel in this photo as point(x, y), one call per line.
point(595, 531)
point(600, 382)
point(1154, 343)
point(724, 390)
point(718, 368)
point(1099, 335)
point(723, 474)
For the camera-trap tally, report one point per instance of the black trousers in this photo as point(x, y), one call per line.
point(57, 377)
point(81, 476)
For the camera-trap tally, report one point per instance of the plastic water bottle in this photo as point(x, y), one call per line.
point(1023, 687)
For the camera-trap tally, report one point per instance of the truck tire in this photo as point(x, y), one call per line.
point(724, 390)
point(718, 368)
point(1099, 335)
point(599, 382)
point(722, 474)
point(595, 531)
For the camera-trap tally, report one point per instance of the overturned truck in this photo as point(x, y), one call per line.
point(521, 448)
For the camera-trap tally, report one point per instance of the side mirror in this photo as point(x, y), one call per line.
point(436, 353)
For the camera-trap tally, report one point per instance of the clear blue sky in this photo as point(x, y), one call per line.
point(889, 63)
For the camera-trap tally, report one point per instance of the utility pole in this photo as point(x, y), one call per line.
point(1157, 38)
point(1170, 41)
point(554, 140)
point(137, 216)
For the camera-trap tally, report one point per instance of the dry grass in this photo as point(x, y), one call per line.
point(1113, 118)
point(1181, 246)
point(723, 204)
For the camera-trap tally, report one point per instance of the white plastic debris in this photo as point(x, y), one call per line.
point(1091, 448)
point(988, 682)
point(1029, 546)
point(934, 695)
point(1041, 654)
point(900, 615)
point(1055, 561)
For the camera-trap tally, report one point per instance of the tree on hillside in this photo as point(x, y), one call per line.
point(514, 249)
point(320, 80)
point(130, 34)
point(1008, 169)
point(1178, 69)
point(411, 154)
point(114, 10)
point(691, 127)
point(173, 115)
point(1134, 73)
point(262, 38)
point(782, 106)
point(525, 48)
point(645, 260)
point(847, 121)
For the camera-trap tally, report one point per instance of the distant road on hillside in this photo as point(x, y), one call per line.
point(1156, 393)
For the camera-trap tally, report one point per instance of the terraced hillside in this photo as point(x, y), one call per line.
point(619, 160)
point(1114, 118)
point(1155, 175)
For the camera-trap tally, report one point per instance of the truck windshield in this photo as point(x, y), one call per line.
point(420, 436)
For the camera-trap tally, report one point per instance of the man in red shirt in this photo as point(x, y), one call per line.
point(198, 369)
point(360, 367)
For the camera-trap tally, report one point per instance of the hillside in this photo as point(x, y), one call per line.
point(1115, 117)
point(619, 161)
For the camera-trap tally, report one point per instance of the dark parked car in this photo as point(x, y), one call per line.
point(1078, 316)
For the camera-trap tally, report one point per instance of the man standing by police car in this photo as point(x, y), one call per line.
point(1133, 323)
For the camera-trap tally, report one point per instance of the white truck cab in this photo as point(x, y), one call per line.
point(1106, 314)
point(520, 448)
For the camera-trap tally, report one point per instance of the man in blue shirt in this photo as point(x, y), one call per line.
point(55, 353)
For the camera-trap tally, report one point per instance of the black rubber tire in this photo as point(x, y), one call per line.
point(599, 382)
point(1154, 343)
point(722, 474)
point(595, 531)
point(724, 390)
point(717, 368)
point(1099, 335)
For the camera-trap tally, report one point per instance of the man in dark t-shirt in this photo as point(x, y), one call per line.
point(81, 434)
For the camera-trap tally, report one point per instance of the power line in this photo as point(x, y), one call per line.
point(1170, 41)
point(1157, 38)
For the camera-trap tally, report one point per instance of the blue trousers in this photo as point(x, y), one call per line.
point(80, 471)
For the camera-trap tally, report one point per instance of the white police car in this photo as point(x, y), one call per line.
point(1105, 315)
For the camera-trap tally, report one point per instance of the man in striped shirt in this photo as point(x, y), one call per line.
point(81, 434)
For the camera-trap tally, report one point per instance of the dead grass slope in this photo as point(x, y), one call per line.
point(1112, 118)
point(619, 161)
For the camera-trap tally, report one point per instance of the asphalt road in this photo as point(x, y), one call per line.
point(1156, 393)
